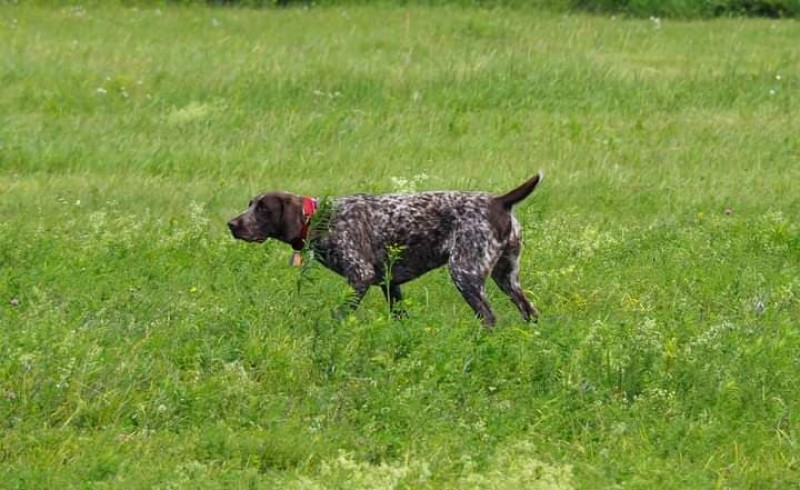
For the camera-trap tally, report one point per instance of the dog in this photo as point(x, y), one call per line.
point(475, 233)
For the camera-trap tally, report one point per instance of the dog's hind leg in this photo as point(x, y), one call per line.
point(471, 287)
point(506, 276)
point(468, 269)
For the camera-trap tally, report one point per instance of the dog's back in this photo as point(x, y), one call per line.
point(390, 239)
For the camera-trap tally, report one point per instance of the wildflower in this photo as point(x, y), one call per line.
point(197, 215)
point(101, 91)
point(193, 111)
point(14, 302)
point(27, 361)
point(330, 95)
point(402, 185)
point(759, 306)
point(76, 11)
point(656, 22)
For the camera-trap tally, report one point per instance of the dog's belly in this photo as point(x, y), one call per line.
point(409, 261)
point(412, 265)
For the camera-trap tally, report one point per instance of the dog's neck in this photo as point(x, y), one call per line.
point(310, 205)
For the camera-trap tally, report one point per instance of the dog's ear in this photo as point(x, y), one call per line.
point(282, 215)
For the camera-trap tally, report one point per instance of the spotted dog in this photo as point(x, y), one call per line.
point(474, 233)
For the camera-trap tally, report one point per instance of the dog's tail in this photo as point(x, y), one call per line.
point(509, 199)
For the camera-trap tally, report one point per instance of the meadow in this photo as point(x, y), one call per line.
point(142, 347)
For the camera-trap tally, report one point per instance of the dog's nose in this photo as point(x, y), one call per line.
point(232, 226)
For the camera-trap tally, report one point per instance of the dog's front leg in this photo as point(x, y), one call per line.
point(360, 276)
point(394, 296)
point(352, 301)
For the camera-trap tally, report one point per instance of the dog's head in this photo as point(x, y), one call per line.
point(276, 215)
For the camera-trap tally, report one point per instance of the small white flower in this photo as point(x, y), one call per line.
point(759, 306)
point(656, 22)
point(772, 91)
point(27, 361)
point(777, 77)
point(101, 91)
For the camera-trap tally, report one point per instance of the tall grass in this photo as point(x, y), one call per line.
point(141, 346)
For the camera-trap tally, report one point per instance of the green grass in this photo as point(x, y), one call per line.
point(142, 347)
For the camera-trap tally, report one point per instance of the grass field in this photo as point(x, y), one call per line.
point(142, 347)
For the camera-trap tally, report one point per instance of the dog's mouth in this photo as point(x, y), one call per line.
point(240, 234)
point(248, 238)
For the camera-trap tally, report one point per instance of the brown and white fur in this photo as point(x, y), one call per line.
point(474, 233)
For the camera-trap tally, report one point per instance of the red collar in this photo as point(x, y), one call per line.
point(309, 208)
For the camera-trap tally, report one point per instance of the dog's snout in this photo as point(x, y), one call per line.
point(233, 226)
